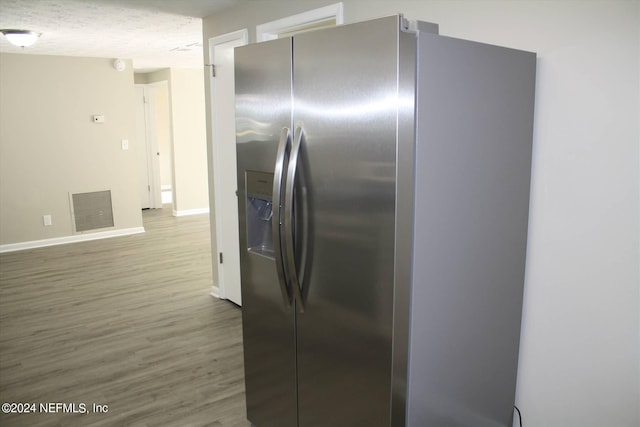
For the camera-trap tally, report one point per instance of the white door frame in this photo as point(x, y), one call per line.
point(289, 24)
point(243, 37)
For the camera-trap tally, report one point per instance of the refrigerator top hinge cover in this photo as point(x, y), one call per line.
point(414, 27)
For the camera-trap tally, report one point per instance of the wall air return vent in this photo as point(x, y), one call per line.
point(92, 211)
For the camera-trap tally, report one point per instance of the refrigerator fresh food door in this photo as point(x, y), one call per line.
point(346, 110)
point(263, 118)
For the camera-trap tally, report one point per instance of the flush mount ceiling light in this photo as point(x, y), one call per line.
point(21, 38)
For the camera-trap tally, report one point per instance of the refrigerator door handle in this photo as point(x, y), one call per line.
point(289, 217)
point(284, 146)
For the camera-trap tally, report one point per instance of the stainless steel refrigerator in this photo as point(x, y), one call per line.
point(383, 194)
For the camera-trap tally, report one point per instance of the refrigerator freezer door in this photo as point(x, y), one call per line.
point(263, 109)
point(346, 102)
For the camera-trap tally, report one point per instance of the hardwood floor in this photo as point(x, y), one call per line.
point(126, 322)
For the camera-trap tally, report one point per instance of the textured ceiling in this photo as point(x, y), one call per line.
point(153, 33)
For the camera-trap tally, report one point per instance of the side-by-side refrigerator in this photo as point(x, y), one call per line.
point(383, 194)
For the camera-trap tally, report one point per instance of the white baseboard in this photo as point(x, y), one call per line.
point(215, 292)
point(12, 247)
point(188, 212)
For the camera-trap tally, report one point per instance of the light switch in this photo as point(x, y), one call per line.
point(98, 119)
point(46, 219)
point(125, 144)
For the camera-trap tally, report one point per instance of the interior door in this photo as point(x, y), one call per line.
point(142, 149)
point(346, 101)
point(225, 166)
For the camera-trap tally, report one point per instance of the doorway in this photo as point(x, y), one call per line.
point(153, 143)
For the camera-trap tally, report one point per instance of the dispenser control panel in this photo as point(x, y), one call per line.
point(260, 185)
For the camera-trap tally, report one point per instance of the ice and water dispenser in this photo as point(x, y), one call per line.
point(259, 212)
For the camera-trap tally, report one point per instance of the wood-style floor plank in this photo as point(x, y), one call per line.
point(126, 322)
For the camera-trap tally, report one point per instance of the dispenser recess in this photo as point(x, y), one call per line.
point(259, 212)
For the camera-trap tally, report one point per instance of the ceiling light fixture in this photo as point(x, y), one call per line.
point(21, 38)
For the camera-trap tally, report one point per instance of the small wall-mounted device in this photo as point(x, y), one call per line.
point(98, 119)
point(119, 64)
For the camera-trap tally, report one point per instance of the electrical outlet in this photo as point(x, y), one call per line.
point(98, 119)
point(125, 144)
point(46, 219)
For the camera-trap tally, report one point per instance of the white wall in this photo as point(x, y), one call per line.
point(580, 350)
point(50, 147)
